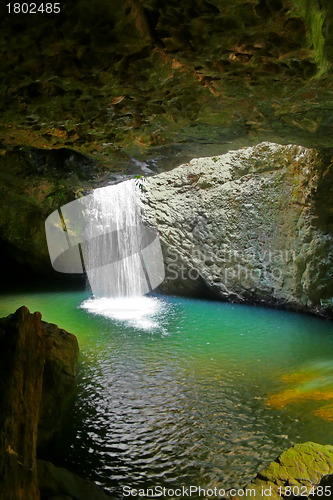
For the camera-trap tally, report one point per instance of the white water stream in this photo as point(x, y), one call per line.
point(114, 233)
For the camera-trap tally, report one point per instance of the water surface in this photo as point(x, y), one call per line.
point(179, 392)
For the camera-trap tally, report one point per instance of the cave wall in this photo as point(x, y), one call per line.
point(110, 88)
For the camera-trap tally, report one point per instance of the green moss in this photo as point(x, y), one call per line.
point(314, 16)
point(142, 77)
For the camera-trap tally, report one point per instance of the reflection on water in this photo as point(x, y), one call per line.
point(188, 392)
point(140, 312)
point(313, 383)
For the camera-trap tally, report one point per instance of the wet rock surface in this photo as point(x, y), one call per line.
point(167, 79)
point(249, 226)
point(303, 471)
point(38, 367)
point(35, 182)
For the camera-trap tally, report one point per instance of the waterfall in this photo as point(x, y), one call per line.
point(102, 234)
point(114, 232)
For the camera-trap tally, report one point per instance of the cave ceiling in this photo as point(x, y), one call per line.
point(163, 80)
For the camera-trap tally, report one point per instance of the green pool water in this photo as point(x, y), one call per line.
point(177, 392)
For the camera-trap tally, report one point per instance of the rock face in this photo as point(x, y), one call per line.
point(35, 358)
point(301, 468)
point(219, 75)
point(58, 381)
point(251, 225)
point(22, 361)
point(212, 70)
point(37, 182)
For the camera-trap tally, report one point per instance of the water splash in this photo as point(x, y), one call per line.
point(139, 312)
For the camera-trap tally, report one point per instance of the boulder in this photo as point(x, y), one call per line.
point(59, 383)
point(34, 357)
point(253, 225)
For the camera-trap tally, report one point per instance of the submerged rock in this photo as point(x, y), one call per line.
point(251, 225)
point(57, 483)
point(37, 375)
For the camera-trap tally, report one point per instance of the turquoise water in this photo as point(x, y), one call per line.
point(176, 391)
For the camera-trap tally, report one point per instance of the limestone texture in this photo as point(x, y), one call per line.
point(253, 225)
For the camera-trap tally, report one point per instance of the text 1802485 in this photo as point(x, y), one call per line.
point(33, 8)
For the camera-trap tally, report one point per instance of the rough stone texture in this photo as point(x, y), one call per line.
point(58, 381)
point(147, 83)
point(253, 225)
point(29, 349)
point(22, 355)
point(57, 483)
point(307, 464)
point(212, 71)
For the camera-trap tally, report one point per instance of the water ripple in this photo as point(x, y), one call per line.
point(185, 398)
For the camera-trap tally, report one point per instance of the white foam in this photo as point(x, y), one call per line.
point(141, 312)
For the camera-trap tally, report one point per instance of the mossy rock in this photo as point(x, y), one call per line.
point(305, 465)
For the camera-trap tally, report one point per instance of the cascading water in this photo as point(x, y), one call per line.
point(103, 235)
point(114, 233)
point(123, 258)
